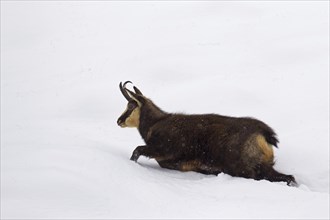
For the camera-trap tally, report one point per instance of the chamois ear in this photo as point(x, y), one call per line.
point(139, 98)
point(137, 91)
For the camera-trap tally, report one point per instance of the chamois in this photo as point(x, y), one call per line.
point(207, 143)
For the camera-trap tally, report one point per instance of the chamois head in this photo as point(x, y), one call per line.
point(131, 116)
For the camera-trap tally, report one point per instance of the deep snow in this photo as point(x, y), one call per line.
point(62, 154)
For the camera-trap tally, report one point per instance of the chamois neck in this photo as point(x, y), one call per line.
point(149, 115)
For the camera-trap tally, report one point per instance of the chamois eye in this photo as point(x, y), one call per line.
point(130, 106)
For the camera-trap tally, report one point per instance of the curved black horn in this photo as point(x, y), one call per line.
point(123, 90)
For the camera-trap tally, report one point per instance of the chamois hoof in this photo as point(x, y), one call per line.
point(290, 181)
point(135, 156)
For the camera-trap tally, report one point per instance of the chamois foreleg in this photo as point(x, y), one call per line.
point(146, 151)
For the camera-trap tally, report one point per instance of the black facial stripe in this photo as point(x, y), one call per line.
point(126, 114)
point(131, 106)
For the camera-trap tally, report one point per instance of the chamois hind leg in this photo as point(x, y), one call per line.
point(269, 173)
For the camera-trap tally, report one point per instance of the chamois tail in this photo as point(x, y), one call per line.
point(269, 134)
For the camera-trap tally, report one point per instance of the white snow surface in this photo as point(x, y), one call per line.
point(63, 155)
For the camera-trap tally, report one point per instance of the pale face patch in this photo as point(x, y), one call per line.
point(131, 116)
point(133, 120)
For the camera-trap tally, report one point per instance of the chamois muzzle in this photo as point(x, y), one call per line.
point(120, 121)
